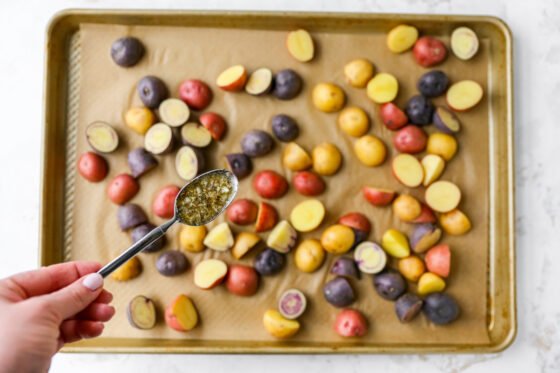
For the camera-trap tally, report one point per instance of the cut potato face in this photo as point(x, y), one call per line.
point(158, 139)
point(401, 38)
point(209, 273)
point(382, 88)
point(181, 314)
point(102, 137)
point(244, 242)
point(174, 112)
point(282, 238)
point(464, 43)
point(370, 257)
point(300, 45)
point(219, 238)
point(141, 312)
point(443, 196)
point(464, 95)
point(188, 162)
point(196, 135)
point(232, 79)
point(307, 215)
point(259, 82)
point(408, 170)
point(433, 166)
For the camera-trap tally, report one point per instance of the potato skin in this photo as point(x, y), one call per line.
point(195, 93)
point(270, 184)
point(215, 124)
point(356, 220)
point(309, 255)
point(191, 239)
point(326, 159)
point(350, 323)
point(308, 183)
point(122, 189)
point(242, 280)
point(242, 211)
point(92, 167)
point(164, 203)
point(410, 139)
point(392, 116)
point(429, 51)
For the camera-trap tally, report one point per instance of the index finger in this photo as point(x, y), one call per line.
point(48, 279)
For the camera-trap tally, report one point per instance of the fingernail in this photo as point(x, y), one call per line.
point(93, 281)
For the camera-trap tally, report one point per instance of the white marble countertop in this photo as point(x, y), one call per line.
point(536, 29)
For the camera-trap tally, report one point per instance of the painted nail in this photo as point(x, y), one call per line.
point(93, 281)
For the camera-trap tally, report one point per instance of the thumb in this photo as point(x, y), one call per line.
point(75, 297)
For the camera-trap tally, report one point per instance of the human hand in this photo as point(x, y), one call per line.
point(42, 310)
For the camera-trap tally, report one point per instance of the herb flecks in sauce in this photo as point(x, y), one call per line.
point(205, 198)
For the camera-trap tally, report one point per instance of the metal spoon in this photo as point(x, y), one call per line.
point(157, 232)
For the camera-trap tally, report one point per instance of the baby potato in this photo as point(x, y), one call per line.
point(191, 239)
point(411, 268)
point(338, 239)
point(358, 72)
point(401, 38)
point(139, 119)
point(455, 222)
point(370, 150)
point(326, 159)
point(244, 242)
point(430, 283)
point(442, 144)
point(309, 255)
point(353, 121)
point(307, 215)
point(350, 323)
point(406, 207)
point(129, 270)
point(295, 158)
point(328, 97)
point(278, 326)
point(92, 167)
point(383, 88)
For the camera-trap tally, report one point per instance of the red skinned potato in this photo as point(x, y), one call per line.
point(350, 323)
point(215, 124)
point(357, 221)
point(378, 196)
point(164, 203)
point(122, 188)
point(181, 314)
point(426, 215)
point(232, 79)
point(92, 167)
point(392, 116)
point(438, 260)
point(410, 139)
point(270, 184)
point(429, 51)
point(308, 183)
point(195, 93)
point(242, 280)
point(267, 217)
point(242, 212)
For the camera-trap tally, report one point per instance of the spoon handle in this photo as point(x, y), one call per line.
point(136, 248)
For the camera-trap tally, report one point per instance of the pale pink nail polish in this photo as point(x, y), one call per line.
point(93, 281)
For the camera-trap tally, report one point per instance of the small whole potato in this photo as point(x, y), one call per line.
point(326, 159)
point(406, 207)
point(358, 72)
point(195, 93)
point(353, 121)
point(242, 211)
point(164, 203)
point(410, 139)
point(284, 127)
point(455, 222)
point(242, 280)
point(172, 263)
point(287, 84)
point(350, 323)
point(309, 255)
point(411, 268)
point(370, 150)
point(429, 51)
point(337, 239)
point(328, 97)
point(308, 183)
point(122, 188)
point(191, 239)
point(92, 167)
point(392, 116)
point(270, 184)
point(129, 270)
point(442, 144)
point(139, 119)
